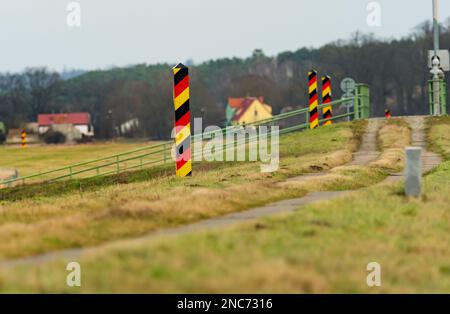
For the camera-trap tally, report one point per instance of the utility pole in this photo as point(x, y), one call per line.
point(436, 26)
point(436, 71)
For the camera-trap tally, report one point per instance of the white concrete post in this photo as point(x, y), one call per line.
point(413, 171)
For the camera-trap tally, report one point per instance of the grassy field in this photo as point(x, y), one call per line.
point(38, 219)
point(322, 248)
point(439, 135)
point(40, 158)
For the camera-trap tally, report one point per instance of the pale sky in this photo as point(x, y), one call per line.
point(123, 32)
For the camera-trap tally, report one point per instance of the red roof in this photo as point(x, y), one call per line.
point(235, 102)
point(241, 105)
point(246, 103)
point(78, 118)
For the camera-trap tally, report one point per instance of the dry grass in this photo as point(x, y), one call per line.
point(324, 247)
point(43, 223)
point(439, 135)
point(393, 137)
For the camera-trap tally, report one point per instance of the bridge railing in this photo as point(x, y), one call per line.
point(161, 153)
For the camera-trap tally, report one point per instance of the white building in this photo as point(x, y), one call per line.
point(80, 120)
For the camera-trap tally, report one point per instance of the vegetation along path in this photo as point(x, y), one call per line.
point(430, 160)
point(367, 152)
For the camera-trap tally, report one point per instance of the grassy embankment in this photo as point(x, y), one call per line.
point(323, 247)
point(37, 219)
point(438, 135)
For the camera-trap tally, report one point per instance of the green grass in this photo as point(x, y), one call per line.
point(323, 247)
point(35, 159)
point(438, 135)
point(77, 213)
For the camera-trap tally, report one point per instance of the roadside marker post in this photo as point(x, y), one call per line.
point(326, 98)
point(413, 171)
point(182, 121)
point(24, 138)
point(313, 100)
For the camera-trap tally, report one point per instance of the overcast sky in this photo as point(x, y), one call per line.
point(123, 32)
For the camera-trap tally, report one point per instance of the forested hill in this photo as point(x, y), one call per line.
point(396, 71)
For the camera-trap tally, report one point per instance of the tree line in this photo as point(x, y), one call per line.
point(395, 69)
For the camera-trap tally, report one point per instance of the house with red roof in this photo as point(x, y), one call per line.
point(78, 120)
point(247, 110)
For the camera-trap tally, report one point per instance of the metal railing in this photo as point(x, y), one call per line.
point(161, 153)
point(442, 97)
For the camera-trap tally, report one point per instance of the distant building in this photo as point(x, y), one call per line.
point(128, 127)
point(247, 110)
point(79, 120)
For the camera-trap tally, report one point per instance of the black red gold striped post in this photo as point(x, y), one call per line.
point(24, 138)
point(326, 99)
point(313, 103)
point(182, 121)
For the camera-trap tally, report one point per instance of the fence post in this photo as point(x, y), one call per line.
point(430, 97)
point(182, 120)
point(443, 90)
point(363, 93)
point(326, 98)
point(313, 103)
point(442, 106)
point(356, 102)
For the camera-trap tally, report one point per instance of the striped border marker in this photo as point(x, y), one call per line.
point(182, 120)
point(24, 138)
point(326, 98)
point(313, 103)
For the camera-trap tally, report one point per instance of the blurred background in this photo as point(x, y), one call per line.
point(112, 60)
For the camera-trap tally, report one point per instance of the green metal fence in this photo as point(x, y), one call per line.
point(442, 97)
point(161, 153)
point(362, 94)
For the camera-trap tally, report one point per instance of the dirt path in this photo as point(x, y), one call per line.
point(368, 150)
point(366, 153)
point(430, 160)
